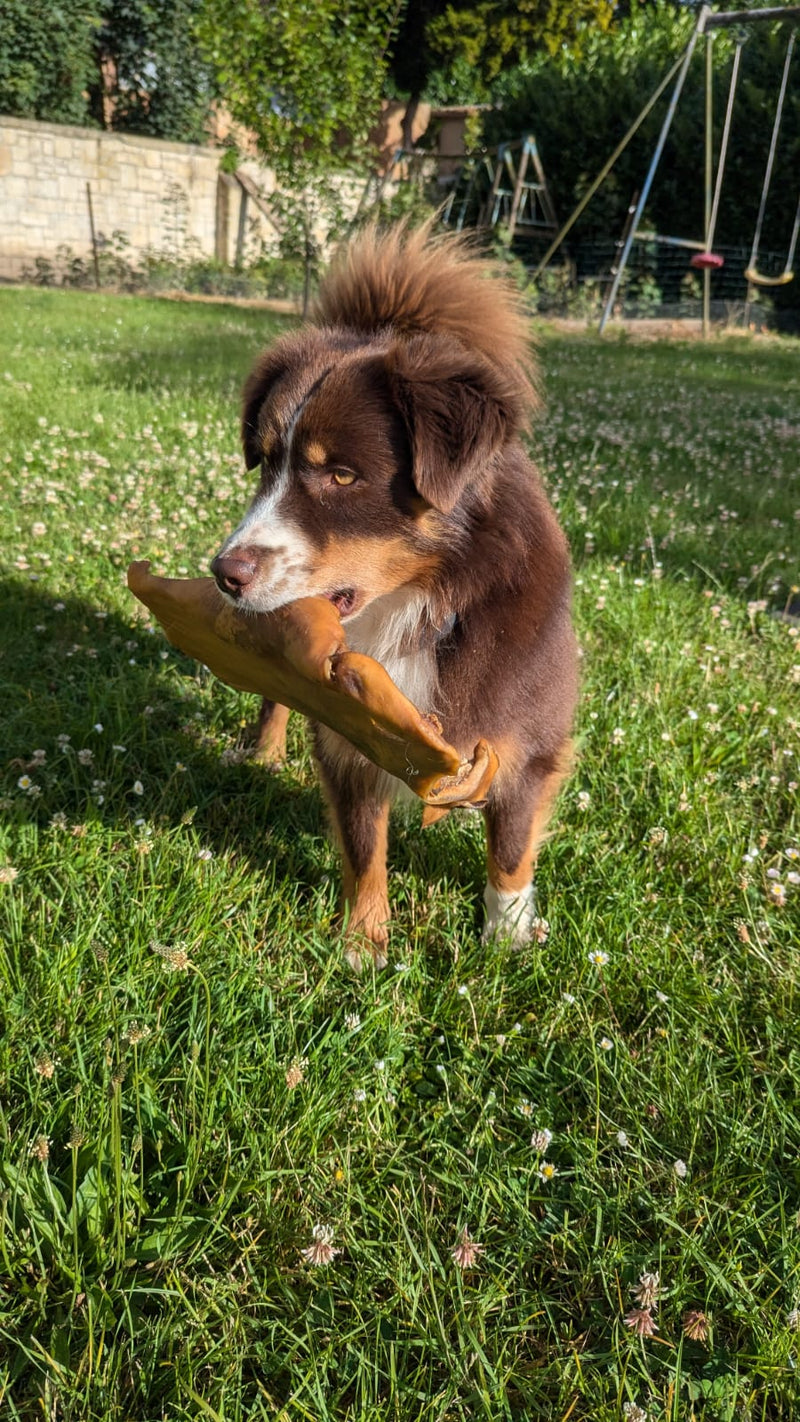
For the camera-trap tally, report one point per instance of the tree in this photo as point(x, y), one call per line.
point(150, 76)
point(47, 58)
point(305, 77)
point(455, 49)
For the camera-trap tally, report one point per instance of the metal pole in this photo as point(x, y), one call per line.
point(746, 17)
point(648, 182)
point(603, 174)
point(708, 180)
point(768, 174)
point(723, 148)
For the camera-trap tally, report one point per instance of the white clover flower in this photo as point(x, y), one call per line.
point(680, 1169)
point(540, 1140)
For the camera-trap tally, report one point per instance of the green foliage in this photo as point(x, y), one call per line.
point(453, 50)
point(47, 58)
point(490, 36)
point(579, 108)
point(59, 62)
point(161, 85)
point(304, 77)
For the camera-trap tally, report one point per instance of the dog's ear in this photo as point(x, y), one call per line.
point(458, 410)
point(266, 373)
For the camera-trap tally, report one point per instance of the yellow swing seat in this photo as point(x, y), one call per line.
point(757, 279)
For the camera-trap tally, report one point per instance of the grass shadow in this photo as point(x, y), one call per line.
point(70, 667)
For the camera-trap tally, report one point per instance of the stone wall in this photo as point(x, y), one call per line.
point(159, 194)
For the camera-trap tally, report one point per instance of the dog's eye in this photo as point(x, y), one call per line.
point(343, 477)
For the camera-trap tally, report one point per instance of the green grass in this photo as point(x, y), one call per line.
point(160, 1178)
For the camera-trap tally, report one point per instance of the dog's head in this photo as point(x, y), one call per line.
point(366, 450)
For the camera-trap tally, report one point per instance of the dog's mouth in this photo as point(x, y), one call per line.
point(345, 600)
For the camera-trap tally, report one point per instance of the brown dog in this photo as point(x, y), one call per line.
point(393, 481)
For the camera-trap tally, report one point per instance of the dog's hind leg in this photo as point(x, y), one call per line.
point(359, 809)
point(516, 823)
point(269, 747)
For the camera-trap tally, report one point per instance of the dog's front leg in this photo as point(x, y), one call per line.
point(516, 823)
point(269, 747)
point(359, 811)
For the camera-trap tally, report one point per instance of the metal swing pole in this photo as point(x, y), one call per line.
point(708, 178)
point(651, 172)
point(605, 170)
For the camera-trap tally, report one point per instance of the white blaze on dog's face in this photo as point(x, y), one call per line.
point(363, 452)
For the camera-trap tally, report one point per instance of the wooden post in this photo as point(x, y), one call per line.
point(94, 237)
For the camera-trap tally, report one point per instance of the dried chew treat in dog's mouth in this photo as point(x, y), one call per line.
point(298, 656)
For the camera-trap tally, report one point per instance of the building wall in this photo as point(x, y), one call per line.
point(159, 194)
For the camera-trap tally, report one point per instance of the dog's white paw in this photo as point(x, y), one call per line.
point(510, 917)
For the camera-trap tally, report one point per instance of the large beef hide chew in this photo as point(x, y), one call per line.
point(298, 656)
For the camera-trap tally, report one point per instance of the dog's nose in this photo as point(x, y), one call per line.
point(232, 574)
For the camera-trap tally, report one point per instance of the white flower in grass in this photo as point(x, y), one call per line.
point(203, 854)
point(622, 1140)
point(359, 1094)
point(680, 1169)
point(352, 1021)
point(24, 782)
point(547, 1172)
point(568, 998)
point(137, 787)
point(8, 874)
point(584, 800)
point(648, 1290)
point(85, 756)
point(540, 1140)
point(467, 1250)
point(776, 893)
point(598, 958)
point(540, 930)
point(322, 1250)
point(605, 1044)
point(632, 1412)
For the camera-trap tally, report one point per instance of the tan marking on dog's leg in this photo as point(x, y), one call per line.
point(366, 899)
point(270, 742)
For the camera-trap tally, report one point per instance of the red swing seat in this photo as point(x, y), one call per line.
point(706, 261)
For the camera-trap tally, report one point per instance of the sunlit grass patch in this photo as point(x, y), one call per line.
point(238, 1182)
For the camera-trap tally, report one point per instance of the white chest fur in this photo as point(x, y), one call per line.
point(395, 630)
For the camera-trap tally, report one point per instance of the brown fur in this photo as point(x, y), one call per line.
point(416, 383)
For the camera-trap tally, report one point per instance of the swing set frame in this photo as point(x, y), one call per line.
point(707, 23)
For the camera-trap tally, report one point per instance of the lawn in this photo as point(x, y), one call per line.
point(233, 1175)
